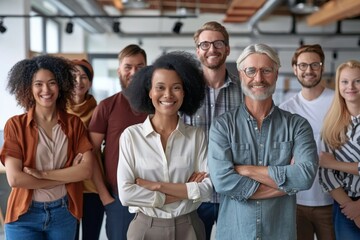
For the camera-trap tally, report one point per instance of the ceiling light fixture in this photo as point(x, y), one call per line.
point(116, 26)
point(303, 6)
point(2, 27)
point(69, 27)
point(177, 27)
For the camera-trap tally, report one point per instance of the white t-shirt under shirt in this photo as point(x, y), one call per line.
point(314, 111)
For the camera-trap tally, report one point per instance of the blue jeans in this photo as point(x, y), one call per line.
point(208, 213)
point(118, 220)
point(44, 220)
point(344, 227)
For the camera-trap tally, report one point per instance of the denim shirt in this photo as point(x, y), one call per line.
point(236, 140)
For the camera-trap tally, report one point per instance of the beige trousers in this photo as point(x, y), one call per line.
point(185, 227)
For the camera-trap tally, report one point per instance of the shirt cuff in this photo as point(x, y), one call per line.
point(193, 191)
point(159, 199)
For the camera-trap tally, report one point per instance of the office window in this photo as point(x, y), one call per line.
point(45, 34)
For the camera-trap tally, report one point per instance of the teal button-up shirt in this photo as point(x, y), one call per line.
point(235, 139)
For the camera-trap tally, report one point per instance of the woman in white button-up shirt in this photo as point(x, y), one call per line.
point(162, 162)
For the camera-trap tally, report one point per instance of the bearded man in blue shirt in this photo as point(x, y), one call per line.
point(260, 156)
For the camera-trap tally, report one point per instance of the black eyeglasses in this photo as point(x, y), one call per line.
point(252, 71)
point(313, 66)
point(205, 45)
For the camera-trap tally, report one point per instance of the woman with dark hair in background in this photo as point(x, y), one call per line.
point(162, 163)
point(46, 152)
point(83, 105)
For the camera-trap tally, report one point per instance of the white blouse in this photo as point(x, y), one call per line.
point(142, 156)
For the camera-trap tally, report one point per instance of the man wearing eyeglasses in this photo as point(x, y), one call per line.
point(260, 156)
point(314, 207)
point(223, 93)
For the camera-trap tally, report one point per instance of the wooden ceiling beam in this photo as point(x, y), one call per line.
point(190, 4)
point(246, 12)
point(241, 10)
point(235, 19)
point(333, 11)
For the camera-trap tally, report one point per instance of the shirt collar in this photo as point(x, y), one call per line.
point(148, 128)
point(250, 117)
point(61, 116)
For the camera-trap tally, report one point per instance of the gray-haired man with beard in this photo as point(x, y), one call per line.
point(223, 93)
point(260, 156)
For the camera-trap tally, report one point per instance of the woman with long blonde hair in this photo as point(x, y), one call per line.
point(340, 161)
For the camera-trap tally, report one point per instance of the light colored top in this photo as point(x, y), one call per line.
point(142, 156)
point(349, 152)
point(50, 155)
point(314, 111)
point(235, 139)
point(216, 102)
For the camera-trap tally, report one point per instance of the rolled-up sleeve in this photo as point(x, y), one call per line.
point(201, 191)
point(298, 175)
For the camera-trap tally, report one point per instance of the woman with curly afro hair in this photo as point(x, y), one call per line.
point(162, 163)
point(46, 152)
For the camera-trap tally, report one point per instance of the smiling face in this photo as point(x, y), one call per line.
point(128, 67)
point(349, 85)
point(45, 89)
point(166, 93)
point(212, 58)
point(262, 85)
point(83, 84)
point(309, 77)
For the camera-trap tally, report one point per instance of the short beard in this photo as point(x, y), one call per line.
point(214, 66)
point(247, 92)
point(314, 84)
point(122, 84)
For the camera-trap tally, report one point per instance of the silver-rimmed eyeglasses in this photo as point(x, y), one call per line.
point(252, 71)
point(314, 66)
point(205, 45)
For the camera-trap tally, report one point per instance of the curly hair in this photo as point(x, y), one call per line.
point(189, 71)
point(21, 75)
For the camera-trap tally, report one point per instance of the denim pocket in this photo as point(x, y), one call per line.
point(281, 153)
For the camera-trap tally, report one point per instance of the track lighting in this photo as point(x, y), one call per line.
point(116, 26)
point(301, 42)
point(2, 27)
point(177, 27)
point(69, 27)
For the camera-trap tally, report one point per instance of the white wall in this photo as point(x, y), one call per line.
point(14, 46)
